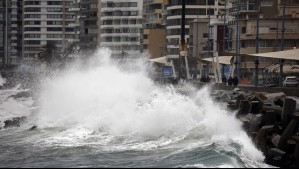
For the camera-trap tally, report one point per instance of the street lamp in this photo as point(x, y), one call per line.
point(257, 45)
point(282, 42)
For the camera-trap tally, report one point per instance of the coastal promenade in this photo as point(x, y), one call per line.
point(289, 91)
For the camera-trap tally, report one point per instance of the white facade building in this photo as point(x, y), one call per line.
point(195, 9)
point(121, 25)
point(51, 21)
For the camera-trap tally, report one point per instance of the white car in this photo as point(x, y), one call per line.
point(290, 81)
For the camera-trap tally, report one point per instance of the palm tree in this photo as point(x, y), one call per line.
point(49, 54)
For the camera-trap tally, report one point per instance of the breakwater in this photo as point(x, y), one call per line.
point(269, 116)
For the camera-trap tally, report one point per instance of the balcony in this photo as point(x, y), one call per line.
point(73, 40)
point(146, 31)
point(222, 2)
point(73, 25)
point(74, 9)
point(150, 2)
point(146, 41)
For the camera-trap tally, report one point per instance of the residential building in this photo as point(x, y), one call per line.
point(10, 32)
point(51, 21)
point(154, 31)
point(195, 10)
point(89, 24)
point(121, 26)
point(270, 14)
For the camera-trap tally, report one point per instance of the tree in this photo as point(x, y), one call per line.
point(54, 57)
point(49, 54)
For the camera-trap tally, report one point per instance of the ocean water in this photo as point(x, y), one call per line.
point(109, 114)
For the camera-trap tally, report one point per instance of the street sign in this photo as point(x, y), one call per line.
point(167, 72)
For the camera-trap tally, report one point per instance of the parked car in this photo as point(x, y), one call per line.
point(290, 81)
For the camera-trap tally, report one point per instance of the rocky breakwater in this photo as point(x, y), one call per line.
point(270, 119)
point(15, 122)
point(16, 106)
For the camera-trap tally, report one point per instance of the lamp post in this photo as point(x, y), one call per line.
point(257, 45)
point(183, 47)
point(237, 41)
point(6, 34)
point(224, 28)
point(282, 42)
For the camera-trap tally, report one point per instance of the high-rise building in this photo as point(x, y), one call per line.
point(88, 24)
point(270, 14)
point(154, 30)
point(51, 21)
point(121, 25)
point(10, 32)
point(195, 9)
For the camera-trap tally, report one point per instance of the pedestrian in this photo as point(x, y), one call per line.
point(235, 81)
point(230, 81)
point(224, 79)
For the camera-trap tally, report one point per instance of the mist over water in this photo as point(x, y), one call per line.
point(2, 81)
point(117, 112)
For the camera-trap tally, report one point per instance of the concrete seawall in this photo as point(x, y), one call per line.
point(289, 91)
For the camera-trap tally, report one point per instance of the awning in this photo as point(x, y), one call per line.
point(226, 60)
point(292, 54)
point(162, 60)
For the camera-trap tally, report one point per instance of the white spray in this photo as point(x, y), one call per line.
point(129, 103)
point(2, 81)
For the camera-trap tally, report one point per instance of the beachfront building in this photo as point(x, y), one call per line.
point(88, 25)
point(121, 27)
point(270, 14)
point(195, 10)
point(153, 29)
point(10, 32)
point(51, 21)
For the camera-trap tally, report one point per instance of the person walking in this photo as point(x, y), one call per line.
point(235, 81)
point(230, 81)
point(224, 79)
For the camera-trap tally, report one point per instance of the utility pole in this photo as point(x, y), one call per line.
point(209, 42)
point(282, 42)
point(276, 39)
point(183, 47)
point(257, 45)
point(237, 41)
point(224, 28)
point(6, 34)
point(224, 35)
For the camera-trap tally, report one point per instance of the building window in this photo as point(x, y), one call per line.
point(55, 3)
point(243, 29)
point(33, 42)
point(54, 22)
point(54, 16)
point(54, 29)
point(32, 29)
point(243, 44)
point(93, 6)
point(32, 9)
point(54, 9)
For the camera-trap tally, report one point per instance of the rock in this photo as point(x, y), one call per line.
point(33, 128)
point(22, 94)
point(237, 89)
point(275, 96)
point(15, 122)
point(278, 102)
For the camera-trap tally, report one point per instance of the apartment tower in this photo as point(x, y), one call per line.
point(154, 30)
point(121, 26)
point(88, 25)
point(10, 32)
point(49, 21)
